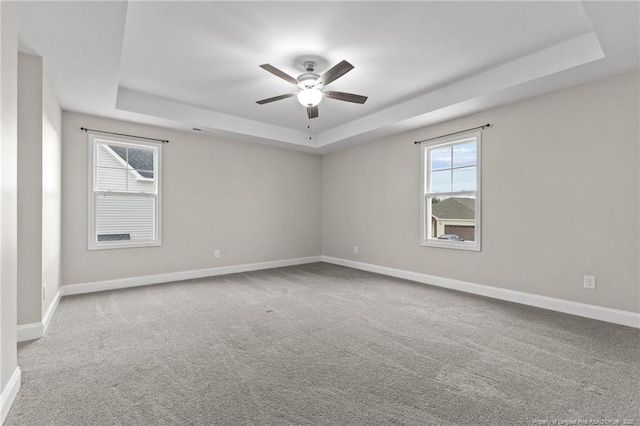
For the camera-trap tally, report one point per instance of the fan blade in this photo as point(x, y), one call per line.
point(275, 98)
point(348, 97)
point(335, 73)
point(312, 112)
point(275, 71)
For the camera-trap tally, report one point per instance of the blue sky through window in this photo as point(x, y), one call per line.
point(453, 168)
point(464, 154)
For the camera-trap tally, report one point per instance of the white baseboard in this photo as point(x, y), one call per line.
point(48, 316)
point(616, 316)
point(38, 329)
point(9, 394)
point(30, 331)
point(68, 290)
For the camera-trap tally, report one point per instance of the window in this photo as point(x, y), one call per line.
point(124, 193)
point(451, 193)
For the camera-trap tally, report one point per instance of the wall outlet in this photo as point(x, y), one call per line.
point(216, 254)
point(355, 249)
point(589, 282)
point(44, 291)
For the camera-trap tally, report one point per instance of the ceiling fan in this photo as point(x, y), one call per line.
point(311, 86)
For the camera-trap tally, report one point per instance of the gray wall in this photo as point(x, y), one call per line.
point(51, 191)
point(8, 190)
point(254, 203)
point(560, 198)
point(39, 190)
point(29, 189)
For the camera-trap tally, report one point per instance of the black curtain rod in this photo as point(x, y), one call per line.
point(454, 133)
point(123, 134)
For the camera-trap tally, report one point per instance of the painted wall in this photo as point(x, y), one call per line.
point(565, 164)
point(39, 190)
point(251, 202)
point(8, 190)
point(51, 191)
point(29, 188)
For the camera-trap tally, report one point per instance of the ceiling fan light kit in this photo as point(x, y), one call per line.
point(309, 97)
point(311, 86)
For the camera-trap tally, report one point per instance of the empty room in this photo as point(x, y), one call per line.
point(319, 213)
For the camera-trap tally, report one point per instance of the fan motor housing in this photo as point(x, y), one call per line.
point(307, 80)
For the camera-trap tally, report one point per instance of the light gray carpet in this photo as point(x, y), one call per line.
point(321, 345)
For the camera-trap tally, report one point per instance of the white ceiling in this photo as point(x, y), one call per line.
point(196, 64)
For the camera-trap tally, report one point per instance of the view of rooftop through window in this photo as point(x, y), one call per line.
point(453, 217)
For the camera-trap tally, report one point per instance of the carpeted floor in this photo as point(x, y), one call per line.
point(321, 344)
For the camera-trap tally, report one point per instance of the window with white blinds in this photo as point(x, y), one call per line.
point(124, 193)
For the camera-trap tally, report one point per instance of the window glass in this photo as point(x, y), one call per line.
point(464, 179)
point(441, 181)
point(126, 215)
point(464, 154)
point(111, 179)
point(441, 158)
point(141, 160)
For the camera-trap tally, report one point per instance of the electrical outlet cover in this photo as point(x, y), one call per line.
point(590, 282)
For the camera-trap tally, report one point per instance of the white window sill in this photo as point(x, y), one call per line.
point(456, 245)
point(120, 245)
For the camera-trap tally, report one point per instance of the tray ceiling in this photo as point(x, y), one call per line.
point(196, 64)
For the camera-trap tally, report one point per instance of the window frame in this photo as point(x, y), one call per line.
point(425, 206)
point(92, 238)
